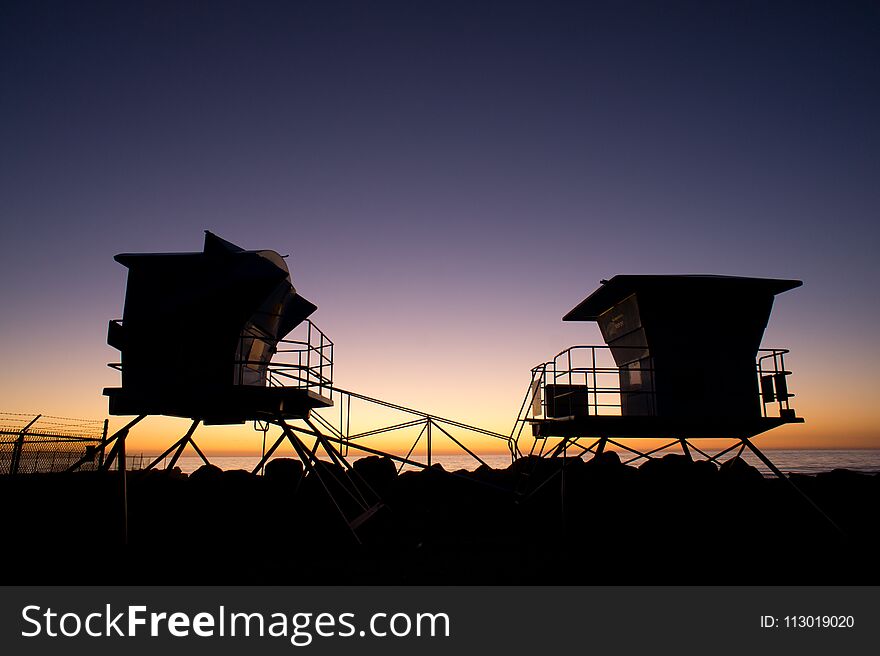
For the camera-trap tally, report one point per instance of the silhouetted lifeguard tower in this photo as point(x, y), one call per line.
point(682, 361)
point(199, 331)
point(197, 340)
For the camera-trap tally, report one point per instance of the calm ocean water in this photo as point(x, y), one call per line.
point(800, 461)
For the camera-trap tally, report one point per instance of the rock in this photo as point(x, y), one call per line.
point(284, 471)
point(604, 459)
point(737, 469)
point(705, 469)
point(844, 476)
point(175, 473)
point(669, 466)
point(236, 476)
point(539, 469)
point(206, 473)
point(523, 465)
point(378, 473)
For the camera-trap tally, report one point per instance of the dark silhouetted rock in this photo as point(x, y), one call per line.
point(447, 526)
point(377, 472)
point(206, 473)
point(540, 469)
point(668, 467)
point(284, 471)
point(605, 459)
point(737, 469)
point(705, 469)
point(237, 476)
point(524, 465)
point(844, 477)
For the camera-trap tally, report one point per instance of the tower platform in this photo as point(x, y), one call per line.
point(667, 428)
point(235, 404)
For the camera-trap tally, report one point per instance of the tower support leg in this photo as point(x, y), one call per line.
point(685, 449)
point(119, 438)
point(179, 445)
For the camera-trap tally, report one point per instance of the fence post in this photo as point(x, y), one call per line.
point(18, 447)
point(122, 473)
point(103, 443)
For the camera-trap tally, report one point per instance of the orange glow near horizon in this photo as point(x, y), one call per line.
point(425, 373)
point(471, 403)
point(155, 434)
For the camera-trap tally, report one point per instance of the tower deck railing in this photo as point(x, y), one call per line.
point(587, 381)
point(304, 360)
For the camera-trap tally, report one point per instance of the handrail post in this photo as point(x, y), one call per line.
point(570, 382)
point(321, 360)
point(429, 441)
point(331, 374)
point(309, 348)
point(595, 382)
point(782, 402)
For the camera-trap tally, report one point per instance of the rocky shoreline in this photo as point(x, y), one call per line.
point(669, 521)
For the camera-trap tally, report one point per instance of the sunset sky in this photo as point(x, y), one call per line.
point(449, 179)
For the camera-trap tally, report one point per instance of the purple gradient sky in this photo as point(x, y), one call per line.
point(451, 175)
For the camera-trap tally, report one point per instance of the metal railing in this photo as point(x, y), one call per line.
point(306, 361)
point(773, 382)
point(586, 380)
point(402, 423)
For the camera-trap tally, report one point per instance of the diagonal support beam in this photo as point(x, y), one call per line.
point(269, 453)
point(307, 461)
point(179, 445)
point(340, 460)
point(775, 470)
point(462, 446)
point(118, 441)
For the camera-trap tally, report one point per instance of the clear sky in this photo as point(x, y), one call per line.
point(449, 179)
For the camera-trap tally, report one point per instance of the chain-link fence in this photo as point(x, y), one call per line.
point(44, 443)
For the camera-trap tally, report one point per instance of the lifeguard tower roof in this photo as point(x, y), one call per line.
point(692, 286)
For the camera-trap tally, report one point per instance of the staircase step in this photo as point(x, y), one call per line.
point(364, 516)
